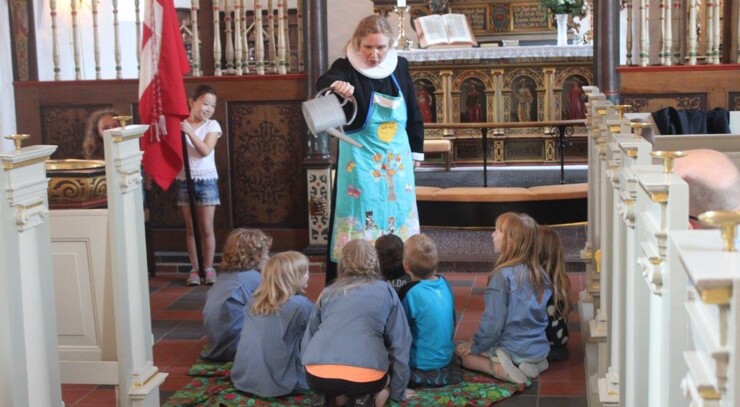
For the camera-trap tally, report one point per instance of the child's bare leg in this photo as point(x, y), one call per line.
point(341, 401)
point(382, 396)
point(478, 362)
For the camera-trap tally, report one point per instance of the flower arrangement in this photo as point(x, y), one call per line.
point(572, 7)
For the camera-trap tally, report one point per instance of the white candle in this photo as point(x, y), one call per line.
point(401, 3)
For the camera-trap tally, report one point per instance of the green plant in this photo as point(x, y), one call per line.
point(573, 7)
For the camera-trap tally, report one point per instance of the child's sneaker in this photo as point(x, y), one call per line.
point(533, 370)
point(194, 278)
point(514, 374)
point(210, 276)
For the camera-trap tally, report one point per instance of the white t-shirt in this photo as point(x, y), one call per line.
point(202, 168)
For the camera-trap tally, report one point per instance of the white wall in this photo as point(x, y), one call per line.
point(7, 98)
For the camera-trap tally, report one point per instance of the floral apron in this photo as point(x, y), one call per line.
point(375, 184)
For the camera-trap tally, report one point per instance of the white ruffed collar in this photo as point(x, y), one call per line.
point(383, 70)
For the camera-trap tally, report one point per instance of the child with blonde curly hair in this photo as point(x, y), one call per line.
point(244, 254)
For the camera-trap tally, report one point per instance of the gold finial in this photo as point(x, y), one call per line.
point(621, 109)
point(638, 127)
point(122, 120)
point(18, 140)
point(727, 222)
point(668, 157)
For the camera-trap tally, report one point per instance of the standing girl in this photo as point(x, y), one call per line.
point(510, 343)
point(202, 136)
point(245, 252)
point(267, 361)
point(558, 307)
point(358, 336)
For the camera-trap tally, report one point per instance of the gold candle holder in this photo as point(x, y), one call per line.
point(18, 140)
point(122, 120)
point(403, 42)
point(727, 222)
point(620, 110)
point(638, 127)
point(668, 157)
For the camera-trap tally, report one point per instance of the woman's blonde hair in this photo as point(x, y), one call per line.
point(372, 24)
point(92, 145)
point(282, 278)
point(519, 246)
point(550, 251)
point(358, 265)
point(245, 249)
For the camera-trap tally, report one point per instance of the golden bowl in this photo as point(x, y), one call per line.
point(77, 184)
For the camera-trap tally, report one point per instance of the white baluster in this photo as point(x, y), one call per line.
point(281, 38)
point(630, 10)
point(117, 40)
point(299, 20)
point(96, 40)
point(692, 40)
point(664, 33)
point(644, 33)
point(244, 37)
point(54, 46)
point(271, 51)
point(75, 42)
point(229, 39)
point(676, 13)
point(216, 39)
point(138, 34)
point(259, 46)
point(195, 38)
point(715, 33)
point(286, 24)
point(237, 37)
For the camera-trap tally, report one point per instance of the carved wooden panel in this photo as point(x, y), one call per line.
point(269, 185)
point(64, 126)
point(653, 102)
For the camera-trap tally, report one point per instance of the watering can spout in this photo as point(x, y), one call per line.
point(340, 135)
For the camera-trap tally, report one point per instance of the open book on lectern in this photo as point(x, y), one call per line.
point(444, 31)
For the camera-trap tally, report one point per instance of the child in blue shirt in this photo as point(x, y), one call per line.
point(430, 310)
point(511, 340)
point(244, 253)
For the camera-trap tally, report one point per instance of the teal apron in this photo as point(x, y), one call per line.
point(375, 184)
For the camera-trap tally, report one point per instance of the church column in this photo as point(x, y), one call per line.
point(318, 159)
point(606, 44)
point(29, 358)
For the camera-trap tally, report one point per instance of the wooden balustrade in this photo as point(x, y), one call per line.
point(235, 21)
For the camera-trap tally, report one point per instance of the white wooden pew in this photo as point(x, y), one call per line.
point(713, 376)
point(29, 361)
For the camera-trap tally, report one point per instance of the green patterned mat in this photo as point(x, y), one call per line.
point(211, 386)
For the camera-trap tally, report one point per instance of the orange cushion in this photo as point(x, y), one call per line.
point(437, 146)
point(560, 191)
point(481, 194)
point(426, 193)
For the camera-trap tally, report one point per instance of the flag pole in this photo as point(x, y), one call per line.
point(191, 198)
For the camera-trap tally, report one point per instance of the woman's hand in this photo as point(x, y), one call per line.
point(343, 89)
point(417, 163)
point(463, 349)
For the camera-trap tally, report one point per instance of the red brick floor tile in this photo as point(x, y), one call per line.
point(562, 388)
point(104, 397)
point(72, 396)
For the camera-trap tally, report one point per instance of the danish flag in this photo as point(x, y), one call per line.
point(162, 101)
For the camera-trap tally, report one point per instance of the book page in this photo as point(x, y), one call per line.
point(431, 30)
point(458, 29)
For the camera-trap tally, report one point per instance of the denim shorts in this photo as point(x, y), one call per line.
point(206, 192)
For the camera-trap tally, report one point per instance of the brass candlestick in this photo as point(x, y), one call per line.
point(122, 120)
point(638, 127)
point(403, 42)
point(668, 157)
point(727, 222)
point(620, 110)
point(18, 140)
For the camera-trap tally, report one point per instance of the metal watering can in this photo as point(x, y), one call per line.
point(326, 115)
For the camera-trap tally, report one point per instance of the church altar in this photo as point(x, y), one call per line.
point(507, 84)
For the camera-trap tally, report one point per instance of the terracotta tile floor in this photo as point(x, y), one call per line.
point(176, 324)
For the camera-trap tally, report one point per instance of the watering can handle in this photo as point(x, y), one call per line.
point(326, 91)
